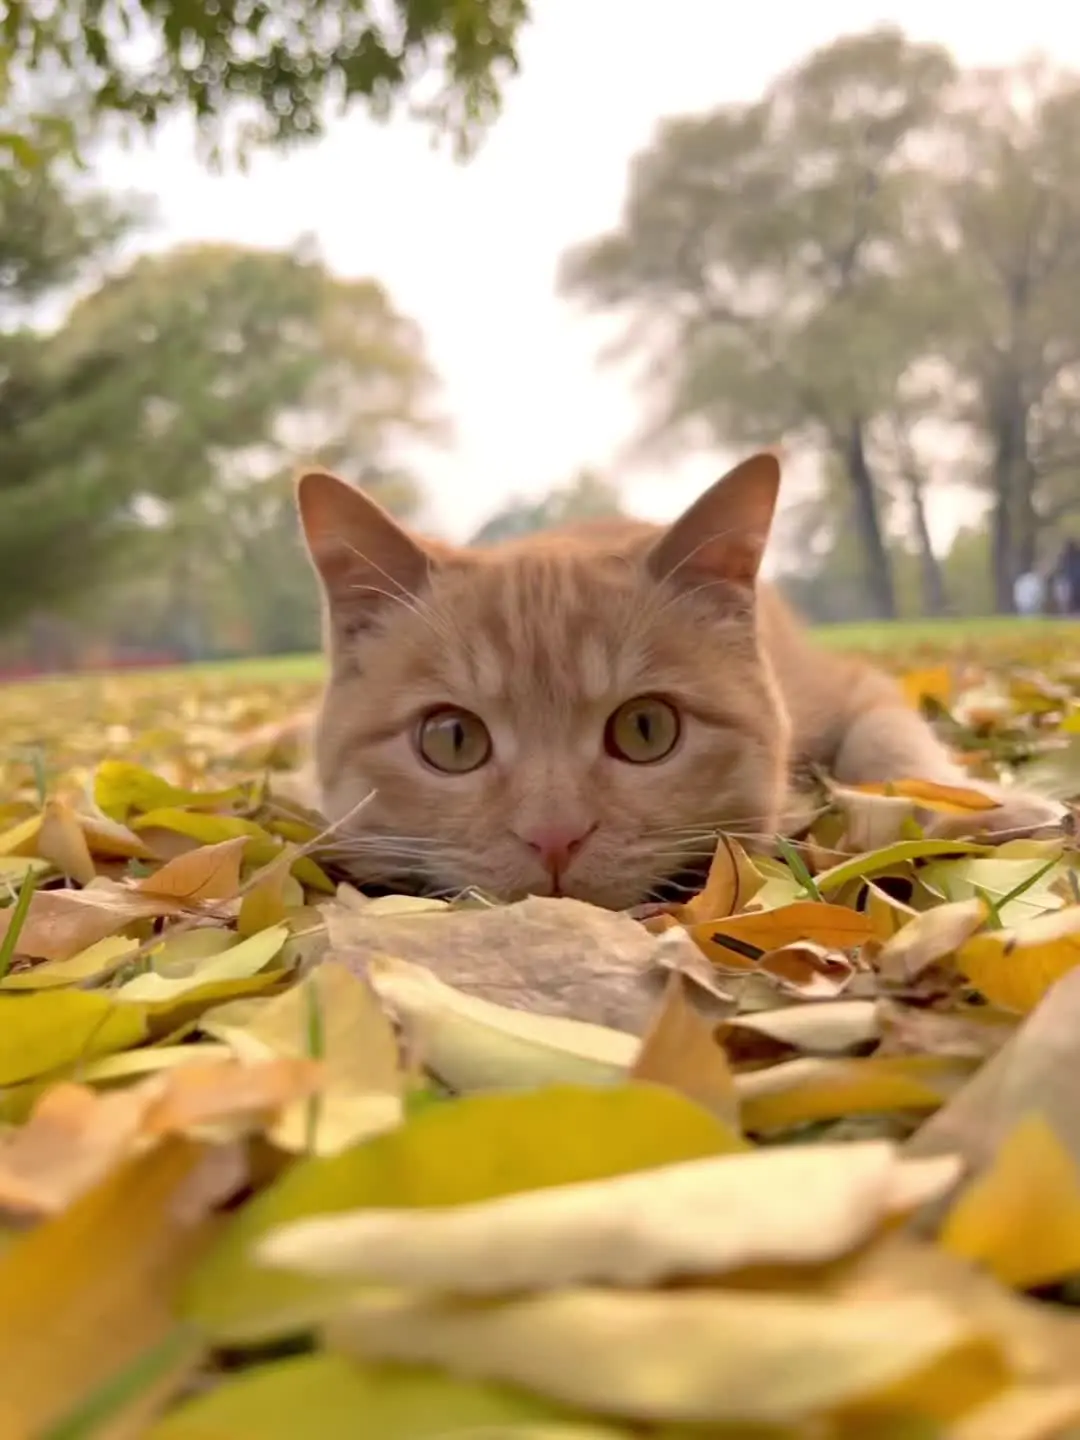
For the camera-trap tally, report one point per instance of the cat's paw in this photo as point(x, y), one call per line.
point(1018, 812)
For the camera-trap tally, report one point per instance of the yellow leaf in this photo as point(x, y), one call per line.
point(1022, 1412)
point(809, 1089)
point(363, 1082)
point(271, 892)
point(862, 867)
point(148, 1061)
point(210, 873)
point(21, 839)
point(931, 684)
point(195, 1095)
point(796, 1205)
point(72, 1139)
point(680, 1355)
point(54, 1028)
point(929, 938)
point(997, 876)
point(731, 884)
point(946, 799)
point(239, 962)
point(1015, 968)
point(96, 962)
point(15, 868)
point(262, 847)
point(680, 1050)
point(120, 788)
point(281, 1401)
point(741, 940)
point(474, 1044)
point(473, 1149)
point(1021, 1217)
point(62, 842)
point(84, 1294)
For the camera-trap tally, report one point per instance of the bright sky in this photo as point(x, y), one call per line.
point(470, 252)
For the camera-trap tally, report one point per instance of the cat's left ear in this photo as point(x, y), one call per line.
point(724, 532)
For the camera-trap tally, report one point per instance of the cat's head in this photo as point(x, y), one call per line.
point(571, 713)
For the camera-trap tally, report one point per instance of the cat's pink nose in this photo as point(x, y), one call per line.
point(556, 845)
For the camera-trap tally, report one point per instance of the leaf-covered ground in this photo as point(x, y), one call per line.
point(797, 1159)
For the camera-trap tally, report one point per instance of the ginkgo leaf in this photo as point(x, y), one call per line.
point(239, 962)
point(683, 1356)
point(1015, 968)
point(62, 842)
point(96, 962)
point(473, 1044)
point(732, 882)
point(800, 1205)
point(211, 872)
point(799, 1091)
point(473, 1149)
point(928, 938)
point(679, 1049)
point(948, 799)
point(741, 940)
point(1021, 1217)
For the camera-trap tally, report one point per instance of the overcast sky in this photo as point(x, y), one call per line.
point(470, 251)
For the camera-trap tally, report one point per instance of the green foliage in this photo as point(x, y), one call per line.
point(279, 68)
point(587, 497)
point(141, 432)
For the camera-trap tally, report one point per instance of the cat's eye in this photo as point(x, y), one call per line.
point(454, 741)
point(642, 730)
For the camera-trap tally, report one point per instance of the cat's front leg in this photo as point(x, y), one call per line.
point(894, 743)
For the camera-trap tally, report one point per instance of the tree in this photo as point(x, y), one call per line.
point(1009, 323)
point(769, 260)
point(278, 68)
point(588, 496)
point(201, 372)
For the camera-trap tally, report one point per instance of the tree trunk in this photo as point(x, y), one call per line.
point(932, 581)
point(880, 589)
point(1008, 423)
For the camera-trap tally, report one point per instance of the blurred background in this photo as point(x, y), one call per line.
point(506, 263)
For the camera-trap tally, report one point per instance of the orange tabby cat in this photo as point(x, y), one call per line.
point(581, 711)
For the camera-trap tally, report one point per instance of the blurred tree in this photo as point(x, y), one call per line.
point(769, 261)
point(588, 496)
point(1008, 317)
point(278, 68)
point(179, 384)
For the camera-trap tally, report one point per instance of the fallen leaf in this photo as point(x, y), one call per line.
point(60, 923)
point(120, 787)
point(363, 1082)
point(51, 1029)
point(1021, 1217)
point(929, 938)
point(474, 1149)
point(85, 1293)
point(681, 1355)
point(72, 1139)
point(558, 957)
point(473, 1044)
point(61, 841)
point(802, 1090)
point(832, 1028)
point(810, 971)
point(239, 962)
point(96, 962)
point(947, 799)
point(742, 940)
point(797, 1206)
point(732, 882)
point(863, 867)
point(1015, 968)
point(210, 873)
point(350, 1402)
point(680, 1050)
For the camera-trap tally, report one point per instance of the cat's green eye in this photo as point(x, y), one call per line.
point(454, 741)
point(642, 730)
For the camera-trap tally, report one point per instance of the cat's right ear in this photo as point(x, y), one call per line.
point(362, 554)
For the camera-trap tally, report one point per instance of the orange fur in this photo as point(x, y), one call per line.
point(543, 638)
